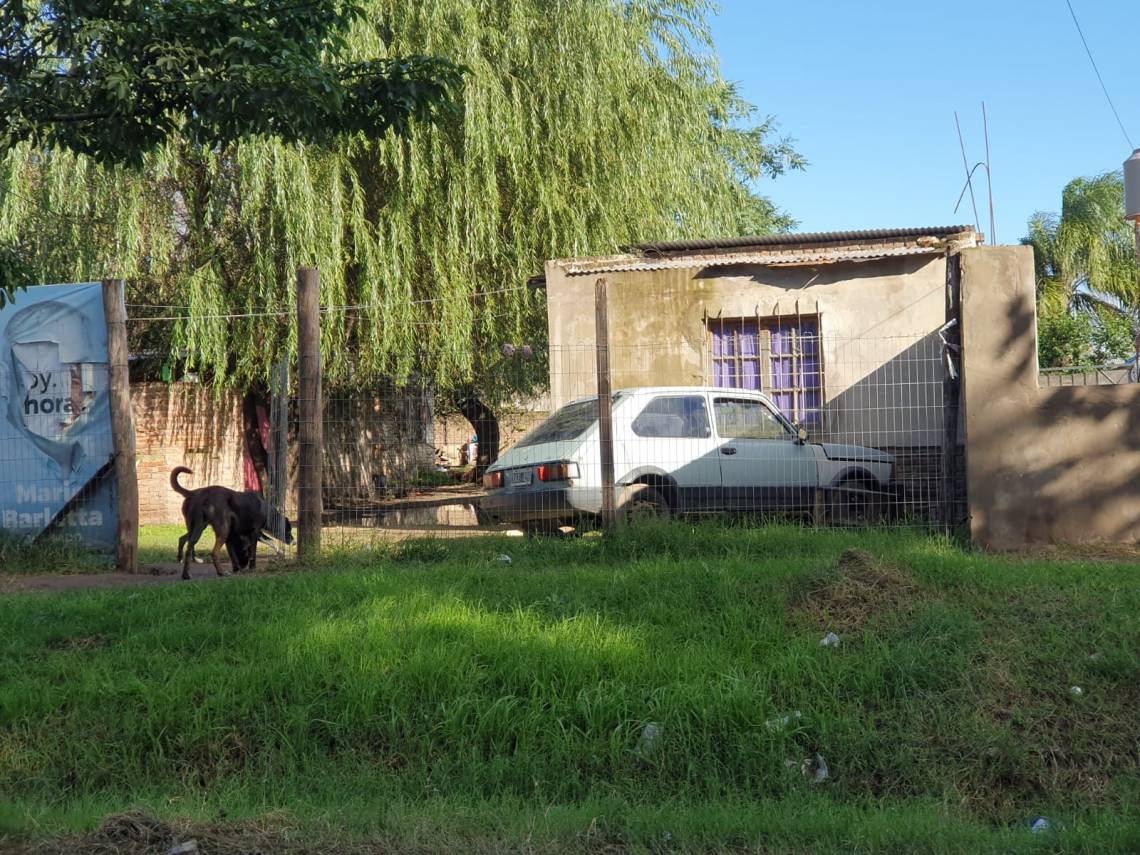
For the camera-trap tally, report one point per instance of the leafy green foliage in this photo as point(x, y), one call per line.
point(1085, 265)
point(1063, 339)
point(114, 79)
point(585, 126)
point(1112, 337)
point(15, 272)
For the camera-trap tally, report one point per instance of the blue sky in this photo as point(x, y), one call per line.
point(868, 90)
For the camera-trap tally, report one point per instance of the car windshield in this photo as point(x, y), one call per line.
point(568, 423)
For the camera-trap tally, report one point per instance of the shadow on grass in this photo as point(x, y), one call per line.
point(51, 555)
point(435, 670)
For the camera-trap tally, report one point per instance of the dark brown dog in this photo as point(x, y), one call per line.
point(238, 520)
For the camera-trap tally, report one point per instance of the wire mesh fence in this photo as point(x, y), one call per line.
point(767, 423)
point(1089, 375)
point(763, 419)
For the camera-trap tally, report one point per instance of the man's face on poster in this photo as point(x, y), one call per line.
point(49, 379)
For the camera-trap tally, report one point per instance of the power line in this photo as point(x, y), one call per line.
point(278, 314)
point(425, 302)
point(141, 319)
point(283, 313)
point(1104, 88)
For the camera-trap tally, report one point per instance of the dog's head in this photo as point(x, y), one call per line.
point(241, 548)
point(270, 528)
point(274, 520)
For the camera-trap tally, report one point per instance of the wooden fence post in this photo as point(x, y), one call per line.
point(279, 464)
point(122, 426)
point(310, 445)
point(951, 394)
point(605, 402)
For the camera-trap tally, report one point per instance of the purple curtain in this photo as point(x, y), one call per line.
point(736, 355)
point(736, 364)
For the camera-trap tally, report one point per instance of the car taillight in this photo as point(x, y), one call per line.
point(493, 480)
point(557, 471)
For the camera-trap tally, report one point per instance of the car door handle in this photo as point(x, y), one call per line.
point(728, 450)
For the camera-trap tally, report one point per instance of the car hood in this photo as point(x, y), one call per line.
point(837, 451)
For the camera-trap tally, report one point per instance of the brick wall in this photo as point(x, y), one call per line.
point(183, 424)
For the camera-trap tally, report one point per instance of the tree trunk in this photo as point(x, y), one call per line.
point(486, 425)
point(251, 434)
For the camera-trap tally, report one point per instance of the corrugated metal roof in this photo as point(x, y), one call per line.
point(801, 238)
point(770, 258)
point(782, 250)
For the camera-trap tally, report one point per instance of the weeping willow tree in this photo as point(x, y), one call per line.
point(584, 125)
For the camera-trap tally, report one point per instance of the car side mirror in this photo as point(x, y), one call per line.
point(801, 436)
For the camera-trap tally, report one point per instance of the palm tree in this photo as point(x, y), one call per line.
point(1085, 264)
point(1085, 258)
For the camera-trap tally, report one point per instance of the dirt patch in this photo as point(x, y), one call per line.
point(137, 833)
point(129, 833)
point(1127, 552)
point(134, 827)
point(84, 642)
point(149, 574)
point(858, 588)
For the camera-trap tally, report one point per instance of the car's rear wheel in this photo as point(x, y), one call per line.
point(642, 501)
point(541, 527)
point(855, 501)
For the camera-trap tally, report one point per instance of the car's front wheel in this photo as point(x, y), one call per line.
point(541, 527)
point(642, 501)
point(855, 501)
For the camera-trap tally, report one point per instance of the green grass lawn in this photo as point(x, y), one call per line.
point(158, 544)
point(430, 695)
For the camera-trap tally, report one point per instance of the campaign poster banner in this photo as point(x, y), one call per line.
point(56, 449)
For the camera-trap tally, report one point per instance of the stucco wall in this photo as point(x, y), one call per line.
point(879, 319)
point(1044, 465)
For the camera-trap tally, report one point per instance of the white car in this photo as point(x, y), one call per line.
point(683, 450)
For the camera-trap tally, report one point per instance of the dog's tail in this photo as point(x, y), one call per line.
point(178, 488)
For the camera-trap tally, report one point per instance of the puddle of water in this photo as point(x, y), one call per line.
point(457, 515)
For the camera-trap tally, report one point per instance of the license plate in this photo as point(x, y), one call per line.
point(518, 477)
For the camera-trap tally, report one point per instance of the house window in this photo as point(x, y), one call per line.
point(779, 356)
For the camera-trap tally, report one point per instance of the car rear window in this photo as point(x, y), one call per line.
point(682, 416)
point(568, 423)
